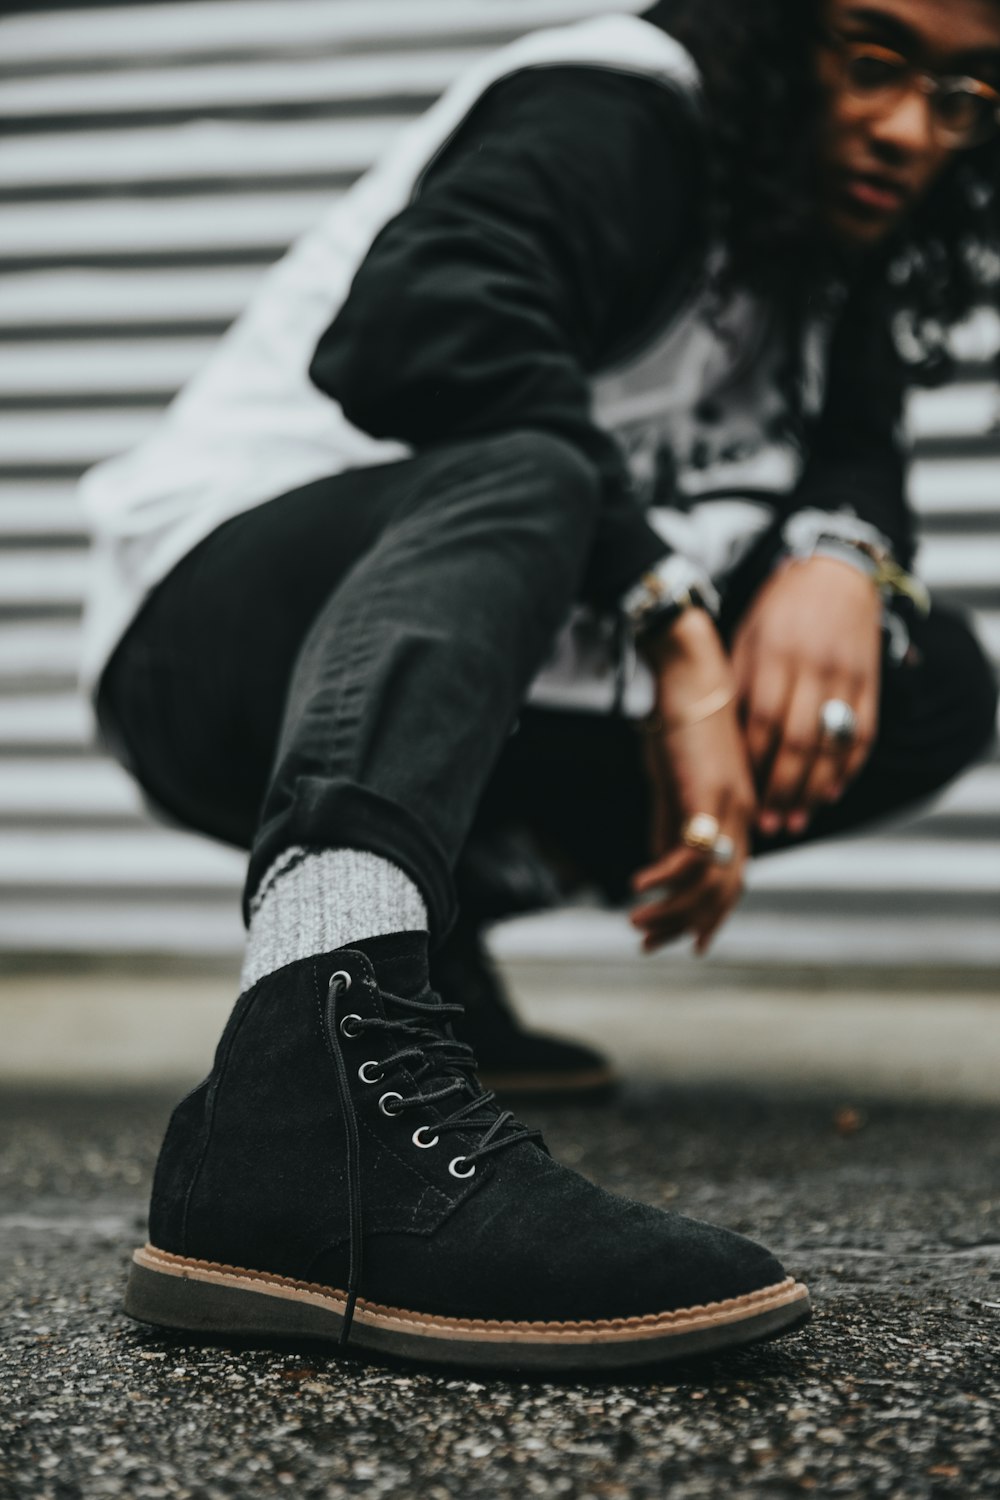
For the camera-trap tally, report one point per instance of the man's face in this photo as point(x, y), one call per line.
point(883, 151)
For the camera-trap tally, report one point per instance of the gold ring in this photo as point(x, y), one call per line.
point(701, 832)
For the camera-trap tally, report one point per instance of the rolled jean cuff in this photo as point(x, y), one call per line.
point(329, 814)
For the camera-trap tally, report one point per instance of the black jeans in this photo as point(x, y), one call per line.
point(344, 666)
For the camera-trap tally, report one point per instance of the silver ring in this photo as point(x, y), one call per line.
point(838, 721)
point(723, 850)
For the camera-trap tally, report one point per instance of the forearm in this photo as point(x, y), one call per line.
point(856, 462)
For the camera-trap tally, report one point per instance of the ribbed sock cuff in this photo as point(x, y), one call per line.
point(312, 901)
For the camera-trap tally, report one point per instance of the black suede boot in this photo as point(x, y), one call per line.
point(513, 1061)
point(340, 1175)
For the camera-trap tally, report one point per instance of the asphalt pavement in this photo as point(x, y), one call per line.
point(891, 1212)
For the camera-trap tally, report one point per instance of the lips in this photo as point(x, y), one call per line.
point(875, 193)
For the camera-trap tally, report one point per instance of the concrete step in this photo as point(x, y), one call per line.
point(41, 723)
point(38, 655)
point(962, 411)
point(988, 628)
point(172, 89)
point(77, 922)
point(208, 924)
point(60, 301)
point(50, 578)
point(69, 439)
point(260, 225)
point(98, 1027)
point(948, 488)
point(220, 28)
point(812, 940)
point(954, 563)
point(66, 790)
point(40, 509)
point(873, 867)
point(228, 154)
point(103, 369)
point(155, 860)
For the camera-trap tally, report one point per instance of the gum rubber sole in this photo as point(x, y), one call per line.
point(230, 1302)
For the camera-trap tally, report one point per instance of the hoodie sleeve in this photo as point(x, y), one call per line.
point(856, 456)
point(556, 224)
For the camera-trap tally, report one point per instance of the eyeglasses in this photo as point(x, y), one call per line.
point(963, 111)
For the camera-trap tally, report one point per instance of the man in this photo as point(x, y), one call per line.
point(585, 395)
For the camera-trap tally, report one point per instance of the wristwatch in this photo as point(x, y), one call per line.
point(665, 592)
point(844, 536)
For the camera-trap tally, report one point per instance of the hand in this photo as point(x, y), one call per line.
point(697, 767)
point(811, 633)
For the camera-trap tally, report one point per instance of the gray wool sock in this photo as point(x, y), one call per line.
point(314, 900)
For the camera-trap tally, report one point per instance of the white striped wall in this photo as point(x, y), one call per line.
point(156, 159)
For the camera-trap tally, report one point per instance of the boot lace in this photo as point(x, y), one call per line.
point(442, 1068)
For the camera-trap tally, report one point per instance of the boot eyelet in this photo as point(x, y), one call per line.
point(350, 1031)
point(384, 1105)
point(363, 1072)
point(424, 1145)
point(454, 1165)
point(340, 982)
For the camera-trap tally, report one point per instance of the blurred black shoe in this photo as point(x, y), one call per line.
point(512, 1060)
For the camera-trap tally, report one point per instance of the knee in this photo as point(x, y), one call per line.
point(961, 689)
point(546, 470)
point(976, 681)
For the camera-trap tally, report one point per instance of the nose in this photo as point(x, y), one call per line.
point(906, 130)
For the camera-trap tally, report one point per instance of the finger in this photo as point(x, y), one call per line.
point(716, 900)
point(653, 941)
point(660, 840)
point(764, 714)
point(823, 785)
point(825, 780)
point(798, 749)
point(742, 657)
point(686, 908)
point(677, 866)
point(677, 907)
point(668, 930)
point(676, 895)
point(861, 747)
point(716, 912)
point(715, 918)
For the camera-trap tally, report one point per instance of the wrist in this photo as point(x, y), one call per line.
point(674, 589)
point(842, 537)
point(833, 566)
point(684, 636)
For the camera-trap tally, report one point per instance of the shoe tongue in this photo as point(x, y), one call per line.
point(400, 962)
